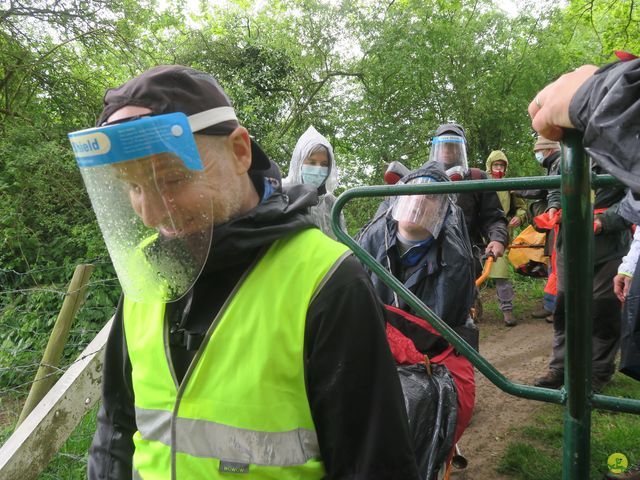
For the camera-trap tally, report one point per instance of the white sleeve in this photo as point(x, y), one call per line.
point(628, 265)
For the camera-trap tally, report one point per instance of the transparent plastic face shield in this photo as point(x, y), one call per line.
point(425, 211)
point(450, 151)
point(153, 198)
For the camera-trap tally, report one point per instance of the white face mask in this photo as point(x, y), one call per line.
point(539, 157)
point(313, 175)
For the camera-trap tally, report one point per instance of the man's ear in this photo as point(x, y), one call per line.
point(240, 145)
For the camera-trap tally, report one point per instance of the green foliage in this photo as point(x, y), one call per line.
point(282, 69)
point(614, 24)
point(427, 64)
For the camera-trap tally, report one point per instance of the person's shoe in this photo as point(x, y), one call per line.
point(552, 379)
point(540, 313)
point(632, 473)
point(549, 319)
point(509, 321)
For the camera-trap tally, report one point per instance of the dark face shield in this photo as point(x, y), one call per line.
point(153, 199)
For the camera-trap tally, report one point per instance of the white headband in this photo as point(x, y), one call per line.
point(208, 118)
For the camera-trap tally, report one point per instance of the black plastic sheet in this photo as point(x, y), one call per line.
point(431, 402)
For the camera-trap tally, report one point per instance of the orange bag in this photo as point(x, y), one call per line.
point(527, 251)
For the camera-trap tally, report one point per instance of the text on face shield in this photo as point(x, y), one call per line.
point(90, 144)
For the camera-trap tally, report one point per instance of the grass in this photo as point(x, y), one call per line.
point(536, 450)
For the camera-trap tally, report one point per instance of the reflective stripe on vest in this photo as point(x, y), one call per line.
point(242, 406)
point(233, 444)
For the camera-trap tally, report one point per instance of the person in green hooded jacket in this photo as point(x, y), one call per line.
point(515, 210)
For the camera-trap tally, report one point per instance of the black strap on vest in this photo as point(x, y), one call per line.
point(178, 335)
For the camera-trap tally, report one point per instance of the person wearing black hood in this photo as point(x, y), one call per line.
point(246, 341)
point(428, 250)
point(486, 221)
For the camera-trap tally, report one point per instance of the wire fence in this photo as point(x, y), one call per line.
point(30, 302)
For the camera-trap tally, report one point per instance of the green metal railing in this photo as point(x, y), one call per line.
point(577, 230)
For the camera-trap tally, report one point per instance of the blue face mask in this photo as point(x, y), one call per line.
point(539, 157)
point(313, 175)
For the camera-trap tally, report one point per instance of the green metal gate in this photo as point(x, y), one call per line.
point(577, 224)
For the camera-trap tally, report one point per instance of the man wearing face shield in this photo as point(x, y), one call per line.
point(547, 154)
point(313, 163)
point(230, 349)
point(611, 241)
point(485, 220)
point(422, 240)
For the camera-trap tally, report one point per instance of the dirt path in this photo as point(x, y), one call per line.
point(520, 353)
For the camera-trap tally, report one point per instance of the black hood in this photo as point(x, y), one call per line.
point(281, 214)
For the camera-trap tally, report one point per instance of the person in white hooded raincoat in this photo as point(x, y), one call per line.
point(313, 163)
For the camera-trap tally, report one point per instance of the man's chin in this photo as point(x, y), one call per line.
point(171, 233)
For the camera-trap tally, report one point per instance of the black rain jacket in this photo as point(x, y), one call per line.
point(607, 109)
point(483, 214)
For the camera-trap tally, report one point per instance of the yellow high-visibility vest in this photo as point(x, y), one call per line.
point(242, 406)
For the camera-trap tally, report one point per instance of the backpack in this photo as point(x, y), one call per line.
point(438, 387)
point(526, 253)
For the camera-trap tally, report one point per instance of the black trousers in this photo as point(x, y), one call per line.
point(606, 315)
point(630, 330)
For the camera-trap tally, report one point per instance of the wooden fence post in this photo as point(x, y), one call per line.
point(30, 448)
point(45, 377)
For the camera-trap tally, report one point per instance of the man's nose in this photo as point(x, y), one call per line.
point(152, 209)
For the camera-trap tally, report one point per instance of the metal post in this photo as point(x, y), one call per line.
point(577, 233)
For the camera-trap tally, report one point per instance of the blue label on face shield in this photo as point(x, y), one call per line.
point(447, 139)
point(313, 175)
point(139, 138)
